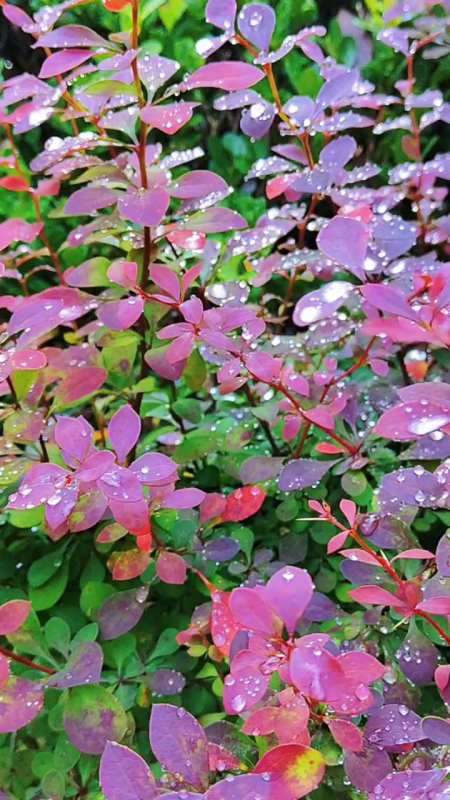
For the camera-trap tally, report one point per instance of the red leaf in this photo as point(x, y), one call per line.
point(243, 503)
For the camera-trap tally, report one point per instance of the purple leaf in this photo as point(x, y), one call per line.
point(216, 220)
point(179, 743)
point(146, 207)
point(92, 716)
point(322, 303)
point(155, 70)
point(368, 768)
point(228, 75)
point(221, 549)
point(63, 61)
point(121, 612)
point(443, 555)
point(417, 657)
point(84, 666)
point(436, 729)
point(256, 121)
point(124, 775)
point(74, 36)
point(89, 200)
point(415, 783)
point(302, 472)
point(392, 726)
point(333, 240)
point(20, 702)
point(221, 13)
point(124, 430)
point(413, 486)
point(394, 236)
point(197, 184)
point(242, 787)
point(257, 23)
point(167, 682)
point(260, 468)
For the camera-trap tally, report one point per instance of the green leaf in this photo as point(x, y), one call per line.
point(88, 633)
point(48, 594)
point(166, 644)
point(42, 570)
point(93, 595)
point(92, 716)
point(171, 12)
point(53, 785)
point(195, 372)
point(27, 518)
point(57, 635)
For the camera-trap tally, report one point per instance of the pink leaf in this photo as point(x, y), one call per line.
point(74, 36)
point(435, 605)
point(12, 615)
point(124, 430)
point(20, 702)
point(121, 314)
point(89, 199)
point(146, 207)
point(375, 595)
point(415, 553)
point(251, 612)
point(171, 568)
point(168, 118)
point(228, 75)
point(347, 735)
point(289, 592)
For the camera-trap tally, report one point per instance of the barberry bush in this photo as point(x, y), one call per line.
point(225, 460)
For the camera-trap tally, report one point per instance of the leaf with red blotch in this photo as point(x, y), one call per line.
point(12, 615)
point(89, 199)
point(333, 241)
point(14, 183)
point(17, 230)
point(221, 13)
point(84, 666)
point(179, 743)
point(301, 473)
point(128, 564)
point(92, 717)
point(294, 769)
point(121, 612)
point(124, 430)
point(171, 568)
point(289, 592)
point(124, 775)
point(347, 735)
point(168, 118)
point(74, 36)
point(79, 383)
point(65, 60)
point(20, 702)
point(145, 207)
point(243, 503)
point(241, 787)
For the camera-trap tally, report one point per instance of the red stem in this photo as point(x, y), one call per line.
point(26, 661)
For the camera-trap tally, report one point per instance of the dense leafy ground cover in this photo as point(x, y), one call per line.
point(225, 572)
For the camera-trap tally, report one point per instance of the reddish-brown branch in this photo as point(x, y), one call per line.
point(434, 624)
point(26, 661)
